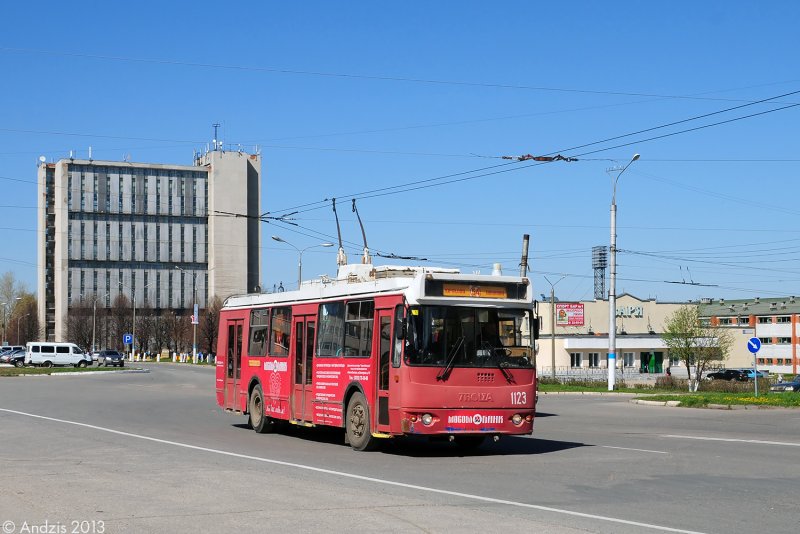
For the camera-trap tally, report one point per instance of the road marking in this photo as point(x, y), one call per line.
point(757, 441)
point(629, 449)
point(358, 477)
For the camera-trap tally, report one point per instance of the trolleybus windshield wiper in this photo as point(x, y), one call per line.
point(451, 358)
point(493, 351)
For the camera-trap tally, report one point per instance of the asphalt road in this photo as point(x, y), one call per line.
point(151, 452)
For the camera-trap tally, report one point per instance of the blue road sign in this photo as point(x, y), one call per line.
point(127, 339)
point(753, 344)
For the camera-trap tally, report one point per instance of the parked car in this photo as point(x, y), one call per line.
point(794, 385)
point(749, 374)
point(727, 374)
point(14, 357)
point(110, 357)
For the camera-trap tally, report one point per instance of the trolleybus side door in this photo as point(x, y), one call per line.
point(233, 364)
point(303, 328)
point(385, 318)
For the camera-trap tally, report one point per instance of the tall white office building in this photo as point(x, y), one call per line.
point(111, 227)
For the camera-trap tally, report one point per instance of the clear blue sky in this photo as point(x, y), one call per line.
point(345, 98)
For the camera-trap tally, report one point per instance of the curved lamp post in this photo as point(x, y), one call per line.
point(300, 259)
point(612, 286)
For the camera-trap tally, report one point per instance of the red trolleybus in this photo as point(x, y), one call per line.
point(384, 352)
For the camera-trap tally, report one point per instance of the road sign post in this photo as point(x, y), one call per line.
point(754, 345)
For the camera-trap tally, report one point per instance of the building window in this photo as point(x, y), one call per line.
point(194, 243)
point(119, 241)
point(765, 320)
point(169, 288)
point(594, 360)
point(765, 340)
point(83, 188)
point(144, 242)
point(183, 278)
point(144, 287)
point(108, 241)
point(183, 241)
point(725, 321)
point(784, 319)
point(169, 194)
point(82, 237)
point(158, 241)
point(575, 359)
point(784, 341)
point(94, 241)
point(205, 197)
point(94, 194)
point(158, 289)
point(674, 361)
point(94, 282)
point(119, 190)
point(69, 192)
point(744, 320)
point(108, 193)
point(169, 243)
point(158, 196)
point(205, 244)
point(183, 196)
point(83, 283)
point(194, 197)
point(627, 359)
point(108, 288)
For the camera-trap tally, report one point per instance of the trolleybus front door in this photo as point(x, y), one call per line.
point(303, 394)
point(384, 357)
point(233, 363)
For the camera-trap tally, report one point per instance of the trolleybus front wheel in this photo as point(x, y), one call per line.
point(359, 433)
point(258, 421)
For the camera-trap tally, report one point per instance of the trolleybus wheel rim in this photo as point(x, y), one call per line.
point(359, 432)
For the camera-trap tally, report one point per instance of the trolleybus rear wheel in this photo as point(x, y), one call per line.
point(258, 421)
point(359, 433)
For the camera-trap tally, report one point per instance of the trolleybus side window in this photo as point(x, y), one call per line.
point(331, 326)
point(358, 328)
point(281, 330)
point(399, 334)
point(258, 333)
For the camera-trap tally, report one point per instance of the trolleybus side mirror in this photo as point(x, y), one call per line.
point(400, 329)
point(537, 323)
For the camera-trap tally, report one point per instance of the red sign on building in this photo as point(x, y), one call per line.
point(569, 314)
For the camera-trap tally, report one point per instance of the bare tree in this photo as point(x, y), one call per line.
point(209, 325)
point(120, 319)
point(23, 323)
point(145, 327)
point(11, 293)
point(79, 324)
point(696, 344)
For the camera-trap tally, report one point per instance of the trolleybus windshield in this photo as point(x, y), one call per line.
point(468, 337)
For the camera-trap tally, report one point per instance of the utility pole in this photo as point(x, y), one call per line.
point(553, 324)
point(612, 286)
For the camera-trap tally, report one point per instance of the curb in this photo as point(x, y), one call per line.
point(590, 393)
point(129, 371)
point(677, 404)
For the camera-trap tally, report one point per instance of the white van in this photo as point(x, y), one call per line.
point(48, 354)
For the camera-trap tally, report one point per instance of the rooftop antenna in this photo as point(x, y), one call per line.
point(215, 125)
point(366, 258)
point(341, 257)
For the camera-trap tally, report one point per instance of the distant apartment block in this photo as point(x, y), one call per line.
point(108, 228)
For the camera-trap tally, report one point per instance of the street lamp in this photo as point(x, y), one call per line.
point(612, 289)
point(18, 322)
point(553, 323)
point(300, 259)
point(194, 311)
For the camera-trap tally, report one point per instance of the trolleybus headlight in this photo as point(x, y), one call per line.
point(516, 419)
point(427, 419)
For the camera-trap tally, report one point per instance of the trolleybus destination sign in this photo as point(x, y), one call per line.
point(474, 291)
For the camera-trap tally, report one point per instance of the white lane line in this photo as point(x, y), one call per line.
point(358, 477)
point(629, 449)
point(757, 441)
